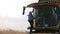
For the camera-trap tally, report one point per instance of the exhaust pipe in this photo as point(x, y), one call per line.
point(23, 10)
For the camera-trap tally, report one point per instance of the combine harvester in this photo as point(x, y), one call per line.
point(46, 16)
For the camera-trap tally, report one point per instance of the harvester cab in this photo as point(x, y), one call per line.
point(46, 15)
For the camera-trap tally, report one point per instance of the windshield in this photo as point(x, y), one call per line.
point(40, 11)
point(46, 15)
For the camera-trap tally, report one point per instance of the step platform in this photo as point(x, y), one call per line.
point(41, 30)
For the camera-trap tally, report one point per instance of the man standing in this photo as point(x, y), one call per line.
point(30, 20)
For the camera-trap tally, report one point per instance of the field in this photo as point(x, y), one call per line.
point(12, 32)
point(19, 32)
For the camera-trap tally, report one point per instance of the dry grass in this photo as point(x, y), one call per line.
point(19, 32)
point(12, 32)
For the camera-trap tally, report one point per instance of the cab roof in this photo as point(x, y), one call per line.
point(42, 4)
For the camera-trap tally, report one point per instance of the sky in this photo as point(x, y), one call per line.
point(11, 14)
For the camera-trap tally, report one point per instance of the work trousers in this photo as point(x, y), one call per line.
point(31, 24)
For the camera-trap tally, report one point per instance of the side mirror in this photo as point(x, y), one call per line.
point(23, 10)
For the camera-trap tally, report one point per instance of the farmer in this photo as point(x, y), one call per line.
point(30, 20)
